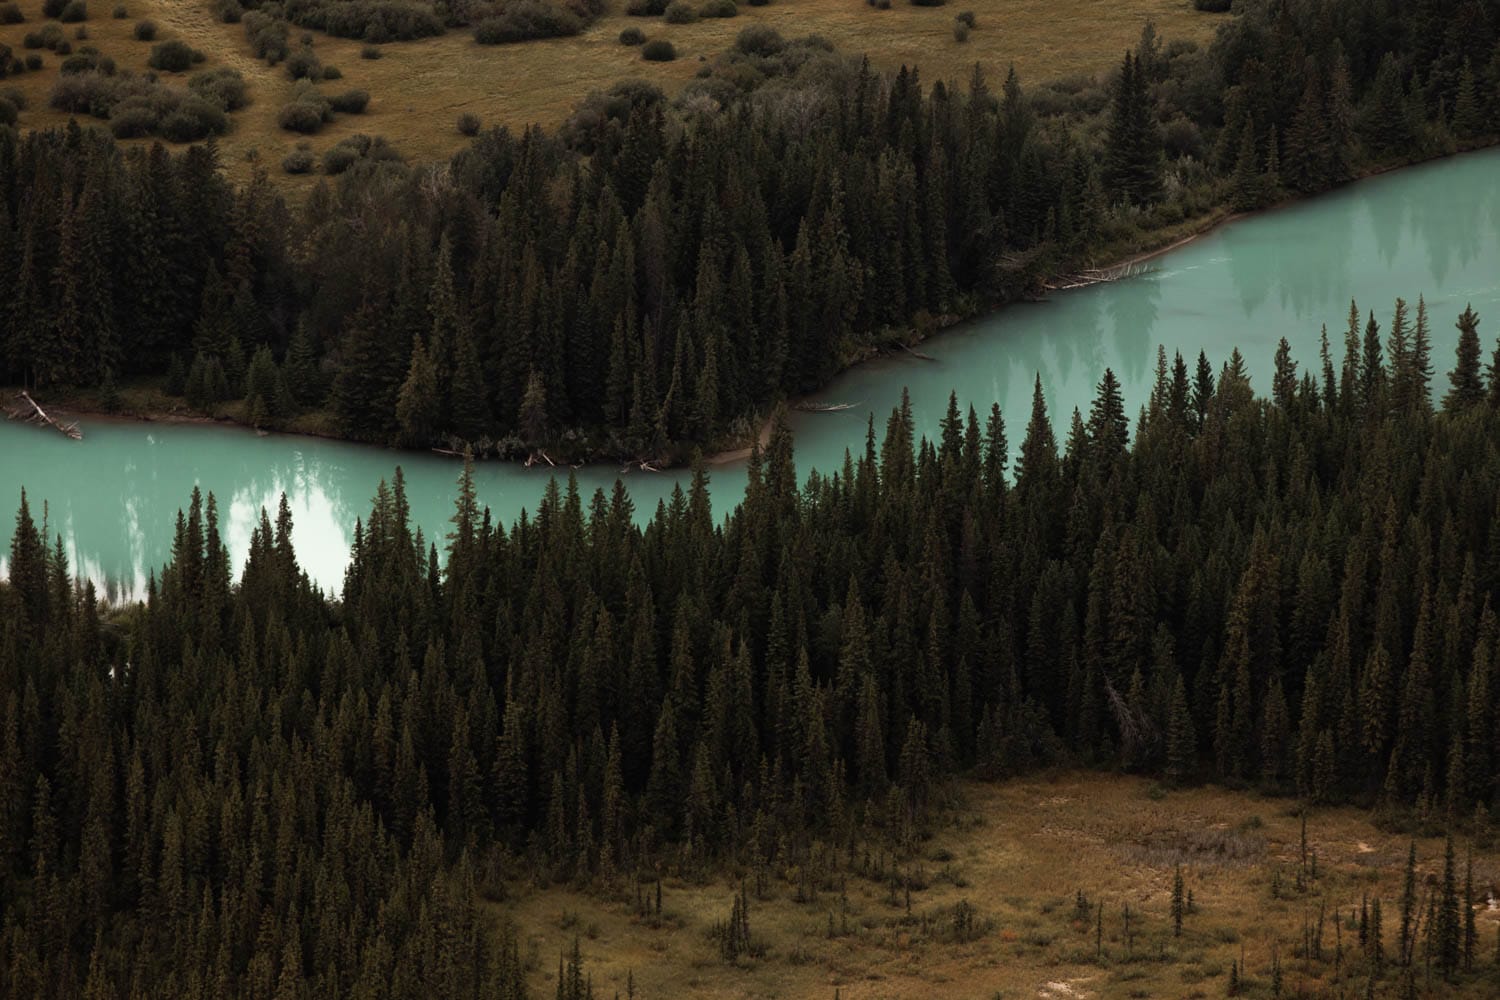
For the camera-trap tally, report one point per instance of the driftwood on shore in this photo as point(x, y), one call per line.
point(916, 353)
point(1095, 276)
point(28, 410)
point(806, 407)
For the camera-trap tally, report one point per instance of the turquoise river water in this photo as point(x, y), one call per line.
point(1431, 230)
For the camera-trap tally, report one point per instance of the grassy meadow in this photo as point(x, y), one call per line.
point(1019, 853)
point(419, 88)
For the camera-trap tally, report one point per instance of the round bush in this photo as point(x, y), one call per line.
point(133, 122)
point(759, 40)
point(351, 102)
point(171, 57)
point(960, 31)
point(74, 12)
point(120, 12)
point(678, 12)
point(338, 159)
point(229, 11)
point(145, 31)
point(15, 97)
point(52, 9)
point(10, 13)
point(63, 48)
point(222, 87)
point(719, 8)
point(34, 62)
point(632, 36)
point(645, 8)
point(758, 3)
point(7, 112)
point(82, 33)
point(370, 52)
point(304, 65)
point(301, 116)
point(468, 124)
point(332, 73)
point(658, 50)
point(967, 17)
point(298, 161)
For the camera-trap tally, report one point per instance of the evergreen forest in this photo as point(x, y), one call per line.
point(657, 275)
point(256, 789)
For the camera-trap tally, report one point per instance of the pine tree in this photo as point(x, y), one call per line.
point(417, 408)
point(1467, 385)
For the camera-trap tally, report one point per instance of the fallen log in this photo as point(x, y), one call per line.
point(916, 353)
point(825, 407)
point(32, 413)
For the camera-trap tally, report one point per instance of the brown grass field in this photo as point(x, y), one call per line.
point(419, 88)
point(1019, 852)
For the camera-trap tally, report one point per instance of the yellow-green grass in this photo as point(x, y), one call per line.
point(1019, 852)
point(419, 88)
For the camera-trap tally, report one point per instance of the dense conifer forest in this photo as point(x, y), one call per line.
point(659, 274)
point(256, 789)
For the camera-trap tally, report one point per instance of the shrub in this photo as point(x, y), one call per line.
point(350, 102)
point(10, 13)
point(193, 120)
point(759, 40)
point(50, 37)
point(7, 112)
point(268, 36)
point(63, 48)
point(120, 12)
point(338, 159)
point(645, 8)
point(632, 36)
point(960, 31)
point(145, 31)
point(34, 62)
point(658, 50)
point(133, 122)
point(928, 3)
point(678, 12)
point(52, 9)
point(332, 73)
point(82, 33)
point(298, 161)
point(222, 87)
point(527, 19)
point(758, 3)
point(1212, 6)
point(468, 124)
point(967, 17)
point(304, 65)
point(16, 98)
point(75, 12)
point(371, 52)
point(229, 11)
point(371, 20)
point(80, 63)
point(301, 116)
point(173, 57)
point(719, 8)
point(346, 152)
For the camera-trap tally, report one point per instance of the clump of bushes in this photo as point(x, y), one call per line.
point(525, 20)
point(370, 20)
point(632, 36)
point(268, 36)
point(1212, 6)
point(304, 65)
point(52, 9)
point(138, 106)
point(468, 124)
point(8, 112)
point(10, 13)
point(332, 73)
point(678, 12)
point(350, 102)
point(174, 56)
point(75, 12)
point(759, 40)
point(646, 8)
point(229, 11)
point(658, 50)
point(347, 152)
point(298, 161)
point(307, 111)
point(50, 37)
point(719, 8)
point(34, 62)
point(371, 52)
point(145, 31)
point(88, 59)
point(222, 86)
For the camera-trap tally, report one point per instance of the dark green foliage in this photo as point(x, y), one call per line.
point(719, 8)
point(52, 9)
point(1133, 160)
point(680, 12)
point(632, 36)
point(173, 56)
point(658, 50)
point(298, 161)
point(1212, 6)
point(145, 30)
point(10, 13)
point(75, 12)
point(468, 124)
point(527, 19)
point(350, 102)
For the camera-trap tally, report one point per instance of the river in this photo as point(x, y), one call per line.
point(1430, 230)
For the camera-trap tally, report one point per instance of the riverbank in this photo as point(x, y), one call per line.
point(145, 400)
